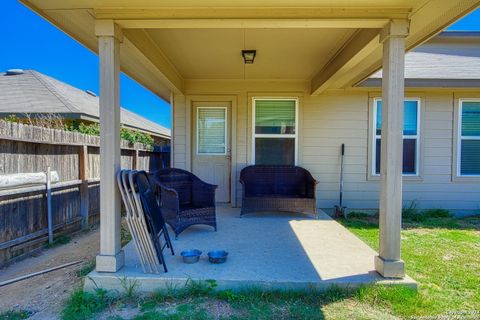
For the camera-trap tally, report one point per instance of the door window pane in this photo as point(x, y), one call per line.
point(211, 130)
point(275, 151)
point(274, 116)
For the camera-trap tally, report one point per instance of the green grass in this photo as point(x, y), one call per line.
point(84, 305)
point(200, 300)
point(60, 240)
point(440, 252)
point(87, 268)
point(14, 315)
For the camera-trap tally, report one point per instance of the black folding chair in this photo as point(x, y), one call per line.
point(155, 222)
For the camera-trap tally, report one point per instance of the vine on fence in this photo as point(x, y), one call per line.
point(55, 121)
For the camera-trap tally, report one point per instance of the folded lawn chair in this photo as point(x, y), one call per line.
point(141, 225)
point(151, 209)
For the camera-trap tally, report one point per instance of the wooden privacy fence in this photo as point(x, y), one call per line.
point(75, 198)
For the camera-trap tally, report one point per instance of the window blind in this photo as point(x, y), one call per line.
point(470, 118)
point(470, 138)
point(211, 130)
point(275, 116)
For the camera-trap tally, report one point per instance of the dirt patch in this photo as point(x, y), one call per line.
point(218, 309)
point(43, 296)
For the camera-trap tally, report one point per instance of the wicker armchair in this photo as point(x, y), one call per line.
point(277, 188)
point(185, 199)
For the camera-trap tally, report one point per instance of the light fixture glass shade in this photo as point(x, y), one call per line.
point(249, 56)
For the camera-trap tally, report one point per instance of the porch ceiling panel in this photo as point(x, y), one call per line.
point(331, 43)
point(78, 4)
point(281, 53)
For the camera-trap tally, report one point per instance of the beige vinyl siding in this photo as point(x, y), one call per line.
point(180, 132)
point(328, 120)
point(242, 143)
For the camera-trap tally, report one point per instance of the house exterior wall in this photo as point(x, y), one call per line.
point(330, 119)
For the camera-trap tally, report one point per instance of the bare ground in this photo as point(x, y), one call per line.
point(43, 296)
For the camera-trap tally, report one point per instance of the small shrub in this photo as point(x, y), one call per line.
point(86, 269)
point(60, 240)
point(84, 305)
point(358, 214)
point(412, 213)
point(130, 288)
point(11, 118)
point(230, 296)
point(199, 288)
point(437, 213)
point(14, 315)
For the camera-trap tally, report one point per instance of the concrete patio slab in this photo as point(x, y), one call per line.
point(268, 251)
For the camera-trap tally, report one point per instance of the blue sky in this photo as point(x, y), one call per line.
point(29, 42)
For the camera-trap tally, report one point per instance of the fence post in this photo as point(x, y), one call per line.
point(84, 194)
point(136, 158)
point(49, 206)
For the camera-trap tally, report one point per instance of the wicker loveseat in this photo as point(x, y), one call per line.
point(185, 200)
point(277, 188)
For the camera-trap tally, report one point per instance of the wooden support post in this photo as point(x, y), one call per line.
point(136, 160)
point(111, 257)
point(84, 192)
point(388, 263)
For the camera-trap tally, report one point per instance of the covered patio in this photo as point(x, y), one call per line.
point(311, 52)
point(267, 251)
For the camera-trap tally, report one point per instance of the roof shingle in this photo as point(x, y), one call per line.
point(34, 92)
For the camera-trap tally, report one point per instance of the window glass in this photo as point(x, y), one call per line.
point(409, 156)
point(409, 118)
point(470, 158)
point(470, 138)
point(410, 139)
point(279, 151)
point(275, 117)
point(470, 118)
point(211, 130)
point(274, 136)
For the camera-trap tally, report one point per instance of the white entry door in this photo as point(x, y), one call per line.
point(211, 154)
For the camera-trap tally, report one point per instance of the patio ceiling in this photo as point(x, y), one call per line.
point(329, 44)
point(281, 53)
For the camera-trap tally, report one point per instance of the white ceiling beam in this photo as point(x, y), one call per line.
point(347, 23)
point(252, 13)
point(361, 45)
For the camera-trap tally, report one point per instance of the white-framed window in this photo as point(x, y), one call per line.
point(211, 131)
point(468, 147)
point(275, 131)
point(411, 136)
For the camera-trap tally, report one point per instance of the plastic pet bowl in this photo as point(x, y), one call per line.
point(191, 256)
point(217, 256)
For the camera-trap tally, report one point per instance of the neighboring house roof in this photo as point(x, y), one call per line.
point(33, 92)
point(451, 59)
